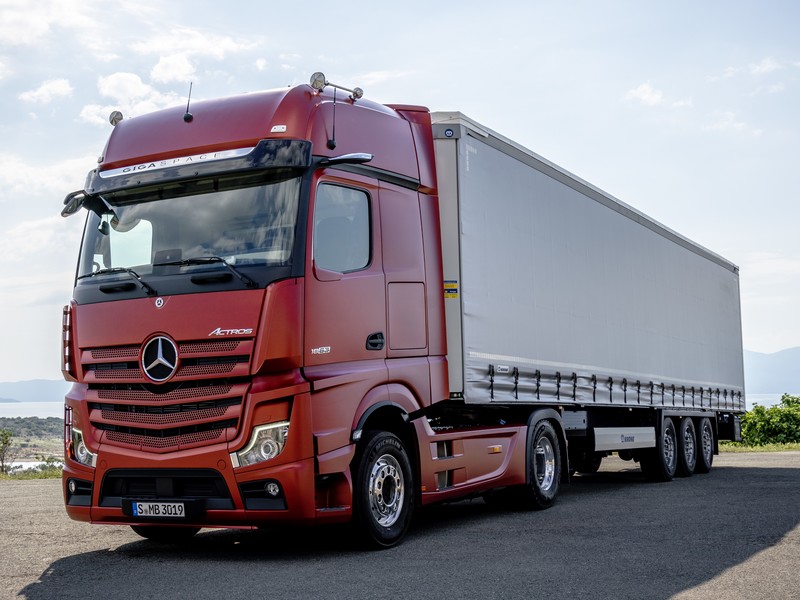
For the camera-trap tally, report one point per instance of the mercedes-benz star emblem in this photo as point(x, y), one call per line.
point(160, 358)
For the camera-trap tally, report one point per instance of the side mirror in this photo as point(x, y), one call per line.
point(73, 203)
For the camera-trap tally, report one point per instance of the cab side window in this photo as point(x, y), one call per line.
point(341, 228)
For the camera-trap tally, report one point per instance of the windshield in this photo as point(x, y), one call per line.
point(152, 232)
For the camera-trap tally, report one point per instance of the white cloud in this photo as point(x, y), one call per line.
point(377, 77)
point(18, 178)
point(48, 91)
point(5, 70)
point(646, 94)
point(262, 64)
point(130, 95)
point(726, 74)
point(768, 65)
point(176, 67)
point(25, 23)
point(682, 103)
point(190, 42)
point(776, 89)
point(728, 121)
point(32, 240)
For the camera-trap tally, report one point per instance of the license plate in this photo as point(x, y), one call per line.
point(171, 510)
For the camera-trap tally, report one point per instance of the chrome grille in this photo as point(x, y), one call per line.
point(201, 404)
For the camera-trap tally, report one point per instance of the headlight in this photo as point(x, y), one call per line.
point(266, 443)
point(80, 452)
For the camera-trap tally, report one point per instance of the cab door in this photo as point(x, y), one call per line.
point(345, 303)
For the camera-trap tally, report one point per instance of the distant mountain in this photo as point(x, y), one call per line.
point(35, 390)
point(7, 400)
point(777, 373)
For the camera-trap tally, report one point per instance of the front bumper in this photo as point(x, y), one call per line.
point(215, 496)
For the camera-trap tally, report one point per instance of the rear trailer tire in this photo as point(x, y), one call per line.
point(705, 446)
point(661, 462)
point(687, 448)
point(544, 466)
point(165, 533)
point(383, 490)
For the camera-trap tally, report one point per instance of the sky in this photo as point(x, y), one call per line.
point(686, 110)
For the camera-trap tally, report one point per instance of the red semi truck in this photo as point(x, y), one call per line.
point(302, 306)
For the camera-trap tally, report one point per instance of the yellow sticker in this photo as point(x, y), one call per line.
point(451, 289)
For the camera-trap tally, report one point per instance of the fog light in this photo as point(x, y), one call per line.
point(72, 486)
point(273, 489)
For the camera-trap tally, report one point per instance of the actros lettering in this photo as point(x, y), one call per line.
point(220, 331)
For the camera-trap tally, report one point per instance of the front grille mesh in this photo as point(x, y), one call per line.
point(201, 404)
point(172, 442)
point(182, 393)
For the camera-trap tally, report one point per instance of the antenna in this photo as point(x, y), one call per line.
point(332, 141)
point(189, 116)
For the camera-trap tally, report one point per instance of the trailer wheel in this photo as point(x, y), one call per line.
point(544, 466)
point(687, 448)
point(660, 463)
point(383, 490)
point(165, 534)
point(705, 444)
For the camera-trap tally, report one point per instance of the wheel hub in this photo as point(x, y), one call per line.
point(386, 490)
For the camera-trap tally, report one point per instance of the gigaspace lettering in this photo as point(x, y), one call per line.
point(176, 162)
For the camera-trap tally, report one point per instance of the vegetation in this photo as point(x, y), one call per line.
point(779, 424)
point(48, 468)
point(33, 427)
point(743, 447)
point(33, 437)
point(7, 452)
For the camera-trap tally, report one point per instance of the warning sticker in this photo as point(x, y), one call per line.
point(451, 289)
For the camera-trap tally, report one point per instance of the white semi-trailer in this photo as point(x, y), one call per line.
point(557, 293)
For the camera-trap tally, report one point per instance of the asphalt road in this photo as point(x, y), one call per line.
point(734, 533)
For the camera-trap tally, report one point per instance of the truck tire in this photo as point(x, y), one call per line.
point(687, 448)
point(660, 463)
point(544, 466)
point(705, 446)
point(165, 533)
point(383, 490)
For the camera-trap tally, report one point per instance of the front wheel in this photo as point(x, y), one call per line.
point(383, 490)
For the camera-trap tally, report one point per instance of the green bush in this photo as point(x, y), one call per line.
point(779, 424)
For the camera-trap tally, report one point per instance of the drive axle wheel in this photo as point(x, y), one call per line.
point(544, 466)
point(383, 489)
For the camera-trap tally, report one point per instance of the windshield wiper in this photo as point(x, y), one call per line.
point(147, 288)
point(206, 260)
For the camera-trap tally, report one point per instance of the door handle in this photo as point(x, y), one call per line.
point(376, 341)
